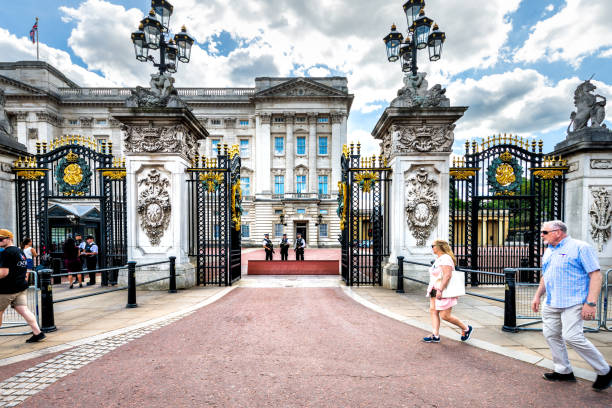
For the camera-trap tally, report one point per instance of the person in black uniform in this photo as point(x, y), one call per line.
point(300, 244)
point(284, 246)
point(13, 284)
point(90, 253)
point(268, 246)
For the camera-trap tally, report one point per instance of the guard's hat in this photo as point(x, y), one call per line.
point(265, 235)
point(4, 233)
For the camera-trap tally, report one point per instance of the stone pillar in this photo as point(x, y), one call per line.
point(312, 153)
point(588, 188)
point(289, 153)
point(159, 144)
point(417, 142)
point(262, 150)
point(338, 138)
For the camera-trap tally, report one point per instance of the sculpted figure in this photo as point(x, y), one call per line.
point(587, 107)
point(161, 94)
point(415, 93)
point(5, 124)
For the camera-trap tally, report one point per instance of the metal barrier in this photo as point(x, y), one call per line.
point(12, 319)
point(604, 305)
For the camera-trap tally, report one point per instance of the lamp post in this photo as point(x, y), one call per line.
point(153, 34)
point(420, 35)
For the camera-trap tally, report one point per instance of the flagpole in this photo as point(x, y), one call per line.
point(36, 38)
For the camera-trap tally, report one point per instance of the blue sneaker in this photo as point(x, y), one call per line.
point(467, 334)
point(431, 339)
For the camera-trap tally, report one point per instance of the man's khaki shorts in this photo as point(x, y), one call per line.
point(13, 299)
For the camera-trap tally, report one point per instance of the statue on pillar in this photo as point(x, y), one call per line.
point(161, 94)
point(5, 123)
point(587, 107)
point(415, 93)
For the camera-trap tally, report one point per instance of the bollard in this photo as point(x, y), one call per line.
point(47, 319)
point(131, 303)
point(104, 278)
point(172, 286)
point(56, 265)
point(510, 302)
point(400, 275)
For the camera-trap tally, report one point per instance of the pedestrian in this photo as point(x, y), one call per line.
point(13, 284)
point(571, 279)
point(300, 245)
point(90, 252)
point(284, 247)
point(30, 253)
point(440, 275)
point(72, 261)
point(78, 241)
point(268, 247)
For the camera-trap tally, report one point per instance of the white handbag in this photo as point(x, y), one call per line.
point(456, 285)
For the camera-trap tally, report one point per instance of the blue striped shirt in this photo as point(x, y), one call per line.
point(566, 269)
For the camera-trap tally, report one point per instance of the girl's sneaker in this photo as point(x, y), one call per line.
point(431, 339)
point(466, 336)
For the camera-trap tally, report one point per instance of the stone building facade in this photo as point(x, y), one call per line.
point(290, 132)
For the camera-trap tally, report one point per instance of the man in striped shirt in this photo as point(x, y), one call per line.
point(571, 279)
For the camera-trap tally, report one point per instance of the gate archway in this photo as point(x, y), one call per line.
point(363, 208)
point(500, 193)
point(74, 171)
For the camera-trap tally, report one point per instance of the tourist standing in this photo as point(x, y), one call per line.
point(13, 284)
point(30, 253)
point(268, 247)
point(571, 279)
point(440, 274)
point(90, 252)
point(72, 261)
point(284, 247)
point(300, 245)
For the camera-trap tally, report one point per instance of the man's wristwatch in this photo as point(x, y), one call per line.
point(591, 304)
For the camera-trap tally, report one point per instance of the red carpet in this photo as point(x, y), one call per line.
point(293, 267)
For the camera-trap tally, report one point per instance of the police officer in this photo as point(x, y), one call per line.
point(268, 246)
point(284, 246)
point(300, 244)
point(90, 253)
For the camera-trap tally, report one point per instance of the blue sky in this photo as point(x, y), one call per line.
point(515, 63)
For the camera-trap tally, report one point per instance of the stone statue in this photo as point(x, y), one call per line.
point(415, 93)
point(161, 94)
point(587, 107)
point(5, 123)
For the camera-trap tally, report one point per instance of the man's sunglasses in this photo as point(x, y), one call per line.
point(546, 232)
point(3, 238)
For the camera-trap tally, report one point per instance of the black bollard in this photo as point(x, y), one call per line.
point(400, 274)
point(510, 302)
point(131, 303)
point(56, 265)
point(47, 319)
point(172, 286)
point(104, 278)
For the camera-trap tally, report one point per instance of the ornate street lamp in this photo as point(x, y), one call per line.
point(153, 33)
point(418, 38)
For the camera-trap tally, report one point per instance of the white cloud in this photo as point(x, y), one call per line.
point(369, 146)
point(575, 32)
point(550, 7)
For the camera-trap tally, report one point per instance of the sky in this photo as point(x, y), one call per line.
point(514, 63)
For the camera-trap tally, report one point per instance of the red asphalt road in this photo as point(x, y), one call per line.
point(304, 347)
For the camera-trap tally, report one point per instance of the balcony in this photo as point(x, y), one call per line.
point(301, 196)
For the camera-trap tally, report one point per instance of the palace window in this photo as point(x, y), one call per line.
point(278, 211)
point(213, 146)
point(300, 184)
point(245, 230)
point(101, 122)
point(73, 122)
point(301, 211)
point(279, 184)
point(322, 120)
point(323, 145)
point(245, 185)
point(244, 123)
point(301, 145)
point(278, 230)
point(323, 185)
point(101, 141)
point(244, 147)
point(323, 211)
point(279, 119)
point(279, 145)
point(323, 230)
point(216, 122)
point(300, 119)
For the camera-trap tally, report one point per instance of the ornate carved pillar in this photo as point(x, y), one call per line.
point(312, 153)
point(338, 138)
point(263, 180)
point(289, 152)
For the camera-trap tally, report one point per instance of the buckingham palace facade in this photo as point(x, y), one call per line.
point(290, 132)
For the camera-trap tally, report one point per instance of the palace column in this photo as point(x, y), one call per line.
point(312, 153)
point(289, 153)
point(338, 137)
point(262, 151)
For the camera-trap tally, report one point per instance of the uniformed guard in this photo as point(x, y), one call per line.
point(268, 246)
point(300, 244)
point(90, 252)
point(284, 246)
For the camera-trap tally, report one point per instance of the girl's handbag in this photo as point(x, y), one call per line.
point(456, 285)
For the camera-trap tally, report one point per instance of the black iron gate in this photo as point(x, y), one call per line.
point(363, 208)
point(76, 171)
point(215, 210)
point(500, 193)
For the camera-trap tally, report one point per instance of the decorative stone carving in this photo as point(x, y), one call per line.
point(86, 122)
point(21, 116)
point(265, 118)
point(422, 204)
point(161, 94)
point(416, 94)
point(312, 118)
point(229, 122)
point(587, 107)
point(421, 139)
point(165, 139)
point(337, 117)
point(5, 123)
point(154, 205)
point(50, 118)
point(114, 123)
point(601, 164)
point(601, 217)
